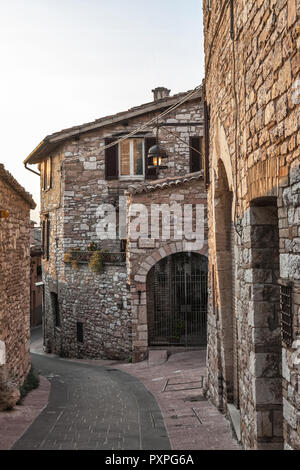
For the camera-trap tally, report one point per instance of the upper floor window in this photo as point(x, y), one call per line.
point(131, 158)
point(196, 161)
point(128, 159)
point(46, 174)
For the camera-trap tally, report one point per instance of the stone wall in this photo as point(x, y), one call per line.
point(15, 289)
point(79, 187)
point(144, 253)
point(252, 89)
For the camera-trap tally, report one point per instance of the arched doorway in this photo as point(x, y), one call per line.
point(225, 265)
point(177, 300)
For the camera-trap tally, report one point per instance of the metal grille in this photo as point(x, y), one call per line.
point(286, 315)
point(180, 301)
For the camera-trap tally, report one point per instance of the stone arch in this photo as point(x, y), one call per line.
point(138, 297)
point(160, 253)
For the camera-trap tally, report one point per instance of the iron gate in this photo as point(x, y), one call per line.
point(179, 301)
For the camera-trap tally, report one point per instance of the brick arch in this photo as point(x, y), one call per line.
point(162, 252)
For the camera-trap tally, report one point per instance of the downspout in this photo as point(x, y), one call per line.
point(33, 171)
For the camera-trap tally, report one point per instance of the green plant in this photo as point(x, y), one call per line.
point(31, 382)
point(68, 256)
point(96, 263)
point(92, 246)
point(75, 264)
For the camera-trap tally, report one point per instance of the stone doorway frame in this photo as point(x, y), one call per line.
point(138, 296)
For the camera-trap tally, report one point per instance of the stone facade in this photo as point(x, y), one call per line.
point(78, 302)
point(15, 282)
point(144, 253)
point(252, 92)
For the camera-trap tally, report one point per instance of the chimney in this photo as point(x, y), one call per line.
point(160, 93)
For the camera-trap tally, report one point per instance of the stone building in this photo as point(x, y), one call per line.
point(86, 170)
point(36, 290)
point(252, 98)
point(15, 203)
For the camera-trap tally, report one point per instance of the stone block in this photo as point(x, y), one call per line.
point(286, 374)
point(290, 413)
point(264, 424)
point(268, 391)
point(265, 365)
point(146, 243)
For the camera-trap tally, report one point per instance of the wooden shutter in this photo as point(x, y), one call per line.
point(195, 158)
point(45, 174)
point(47, 239)
point(206, 143)
point(111, 160)
point(43, 237)
point(150, 173)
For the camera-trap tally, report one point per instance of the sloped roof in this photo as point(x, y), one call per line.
point(51, 142)
point(9, 179)
point(164, 183)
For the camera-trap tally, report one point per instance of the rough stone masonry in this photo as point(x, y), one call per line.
point(252, 93)
point(15, 288)
point(88, 314)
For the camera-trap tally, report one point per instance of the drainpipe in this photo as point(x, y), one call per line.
point(35, 172)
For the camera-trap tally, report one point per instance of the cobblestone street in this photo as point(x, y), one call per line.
point(94, 407)
point(108, 405)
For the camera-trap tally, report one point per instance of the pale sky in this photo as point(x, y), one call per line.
point(66, 62)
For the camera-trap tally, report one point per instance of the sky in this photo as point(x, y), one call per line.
point(67, 62)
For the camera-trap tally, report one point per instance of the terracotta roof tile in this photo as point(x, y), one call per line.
point(164, 183)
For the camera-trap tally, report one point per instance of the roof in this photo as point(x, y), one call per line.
point(51, 142)
point(164, 183)
point(13, 183)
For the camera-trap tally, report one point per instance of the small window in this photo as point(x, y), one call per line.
point(79, 332)
point(55, 309)
point(131, 158)
point(47, 174)
point(195, 154)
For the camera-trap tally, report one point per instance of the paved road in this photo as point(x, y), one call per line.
point(94, 407)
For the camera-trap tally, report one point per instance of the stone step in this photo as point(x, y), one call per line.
point(156, 357)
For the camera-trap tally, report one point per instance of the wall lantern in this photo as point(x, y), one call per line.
point(156, 155)
point(4, 214)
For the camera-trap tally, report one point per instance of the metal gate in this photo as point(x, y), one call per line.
point(179, 301)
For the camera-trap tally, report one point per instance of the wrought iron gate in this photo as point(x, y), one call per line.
point(179, 301)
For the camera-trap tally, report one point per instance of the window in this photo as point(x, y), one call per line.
point(131, 158)
point(55, 309)
point(196, 163)
point(47, 174)
point(80, 332)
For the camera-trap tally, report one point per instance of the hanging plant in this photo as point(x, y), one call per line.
point(75, 264)
point(96, 263)
point(92, 246)
point(68, 256)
